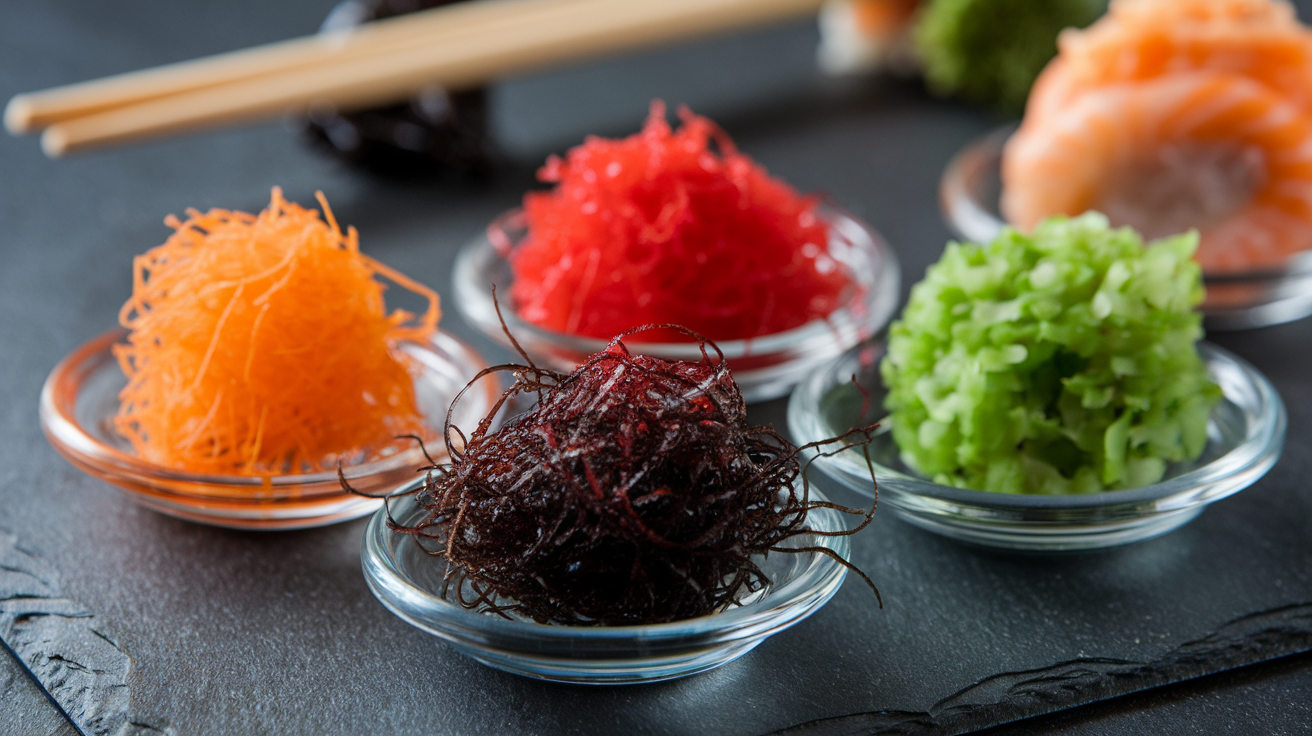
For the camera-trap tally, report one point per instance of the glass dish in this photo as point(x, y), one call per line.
point(968, 196)
point(403, 577)
point(80, 399)
point(1245, 435)
point(765, 367)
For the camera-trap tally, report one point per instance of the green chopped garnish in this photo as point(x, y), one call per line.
point(990, 51)
point(1058, 362)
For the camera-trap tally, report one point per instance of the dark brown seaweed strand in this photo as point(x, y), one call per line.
point(865, 399)
point(496, 304)
point(633, 492)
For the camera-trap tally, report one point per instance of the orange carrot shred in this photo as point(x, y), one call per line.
point(261, 345)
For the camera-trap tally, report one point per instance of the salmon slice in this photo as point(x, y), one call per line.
point(864, 35)
point(1145, 39)
point(883, 18)
point(1214, 151)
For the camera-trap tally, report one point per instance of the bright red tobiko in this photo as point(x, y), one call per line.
point(659, 228)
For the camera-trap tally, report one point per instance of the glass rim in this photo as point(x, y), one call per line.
point(741, 621)
point(1257, 452)
point(972, 219)
point(58, 419)
point(879, 297)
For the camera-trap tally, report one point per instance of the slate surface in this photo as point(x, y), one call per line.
point(232, 632)
point(1270, 698)
point(27, 710)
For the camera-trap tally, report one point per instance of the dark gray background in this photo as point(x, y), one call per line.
point(233, 632)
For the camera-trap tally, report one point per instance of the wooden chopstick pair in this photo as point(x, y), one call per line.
point(454, 46)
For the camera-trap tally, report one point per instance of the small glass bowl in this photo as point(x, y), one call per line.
point(404, 578)
point(969, 193)
point(1245, 435)
point(80, 398)
point(765, 367)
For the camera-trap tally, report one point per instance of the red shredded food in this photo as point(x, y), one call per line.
point(659, 228)
point(260, 345)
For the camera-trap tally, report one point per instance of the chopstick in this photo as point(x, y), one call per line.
point(35, 111)
point(377, 64)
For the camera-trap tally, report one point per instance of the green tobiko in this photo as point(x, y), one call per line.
point(1055, 363)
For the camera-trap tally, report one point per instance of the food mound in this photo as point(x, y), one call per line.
point(633, 492)
point(659, 228)
point(990, 51)
point(1168, 115)
point(1054, 363)
point(260, 345)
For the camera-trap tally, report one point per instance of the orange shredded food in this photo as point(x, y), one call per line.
point(260, 345)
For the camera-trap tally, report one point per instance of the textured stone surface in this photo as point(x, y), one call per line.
point(236, 632)
point(1270, 698)
point(26, 711)
point(1010, 696)
point(63, 646)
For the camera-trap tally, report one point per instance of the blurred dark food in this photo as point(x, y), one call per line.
point(433, 133)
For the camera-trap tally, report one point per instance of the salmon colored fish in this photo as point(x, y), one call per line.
point(864, 35)
point(1145, 39)
point(1176, 114)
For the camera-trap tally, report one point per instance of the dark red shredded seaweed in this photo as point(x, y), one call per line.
point(632, 492)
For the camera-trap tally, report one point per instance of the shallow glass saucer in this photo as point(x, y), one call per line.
point(765, 367)
point(408, 581)
point(80, 399)
point(969, 193)
point(1245, 435)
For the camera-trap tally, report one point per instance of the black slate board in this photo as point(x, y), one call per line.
point(233, 632)
point(27, 710)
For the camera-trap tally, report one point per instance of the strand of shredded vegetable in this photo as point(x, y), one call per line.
point(261, 345)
